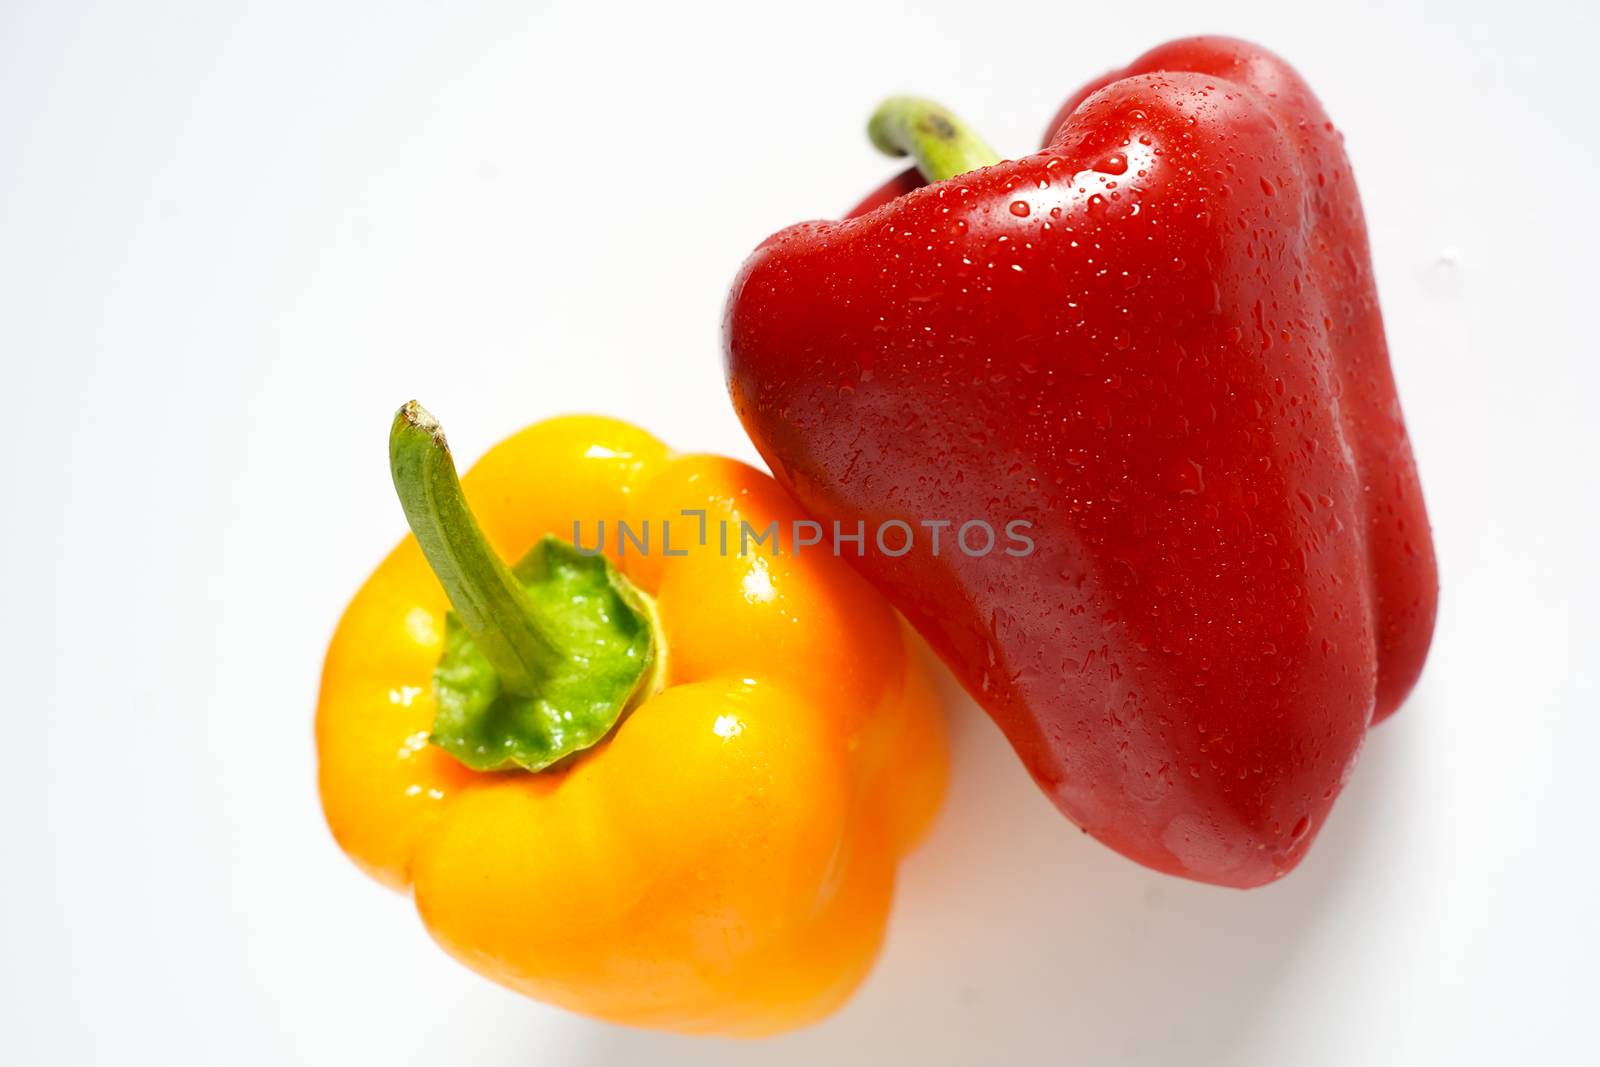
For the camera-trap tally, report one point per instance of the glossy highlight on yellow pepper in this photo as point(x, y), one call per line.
point(723, 862)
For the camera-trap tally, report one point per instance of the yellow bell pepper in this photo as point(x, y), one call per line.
point(719, 861)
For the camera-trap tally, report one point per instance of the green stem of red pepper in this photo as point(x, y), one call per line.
point(940, 143)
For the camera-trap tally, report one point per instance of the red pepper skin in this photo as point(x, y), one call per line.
point(895, 187)
point(1159, 342)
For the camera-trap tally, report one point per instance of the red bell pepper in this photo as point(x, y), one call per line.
point(1158, 342)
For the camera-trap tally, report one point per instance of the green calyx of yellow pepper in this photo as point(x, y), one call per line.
point(541, 659)
point(941, 144)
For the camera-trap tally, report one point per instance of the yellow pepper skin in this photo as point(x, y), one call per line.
point(723, 862)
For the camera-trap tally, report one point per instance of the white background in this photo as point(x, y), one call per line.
point(234, 237)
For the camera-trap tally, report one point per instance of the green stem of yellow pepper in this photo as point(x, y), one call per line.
point(486, 596)
point(541, 659)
